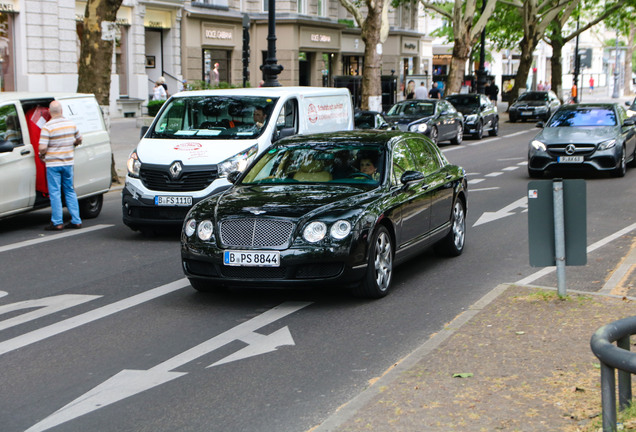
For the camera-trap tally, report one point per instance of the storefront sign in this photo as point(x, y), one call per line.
point(157, 19)
point(319, 38)
point(8, 6)
point(352, 44)
point(216, 34)
point(410, 45)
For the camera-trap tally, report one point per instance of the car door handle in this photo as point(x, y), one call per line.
point(25, 152)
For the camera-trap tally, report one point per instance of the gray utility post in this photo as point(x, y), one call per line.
point(557, 225)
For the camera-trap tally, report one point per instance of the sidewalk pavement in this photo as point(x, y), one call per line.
point(517, 360)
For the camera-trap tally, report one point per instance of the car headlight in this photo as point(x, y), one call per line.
point(542, 109)
point(314, 232)
point(133, 164)
point(238, 162)
point(340, 229)
point(538, 145)
point(471, 118)
point(204, 232)
point(607, 144)
point(420, 127)
point(190, 227)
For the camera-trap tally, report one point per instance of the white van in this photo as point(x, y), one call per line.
point(199, 137)
point(23, 174)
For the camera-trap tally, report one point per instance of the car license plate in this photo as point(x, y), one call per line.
point(570, 159)
point(167, 200)
point(251, 258)
point(526, 113)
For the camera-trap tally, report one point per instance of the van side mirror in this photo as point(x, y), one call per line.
point(284, 133)
point(540, 125)
point(143, 131)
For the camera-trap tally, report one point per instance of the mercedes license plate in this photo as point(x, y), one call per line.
point(168, 200)
point(251, 258)
point(570, 159)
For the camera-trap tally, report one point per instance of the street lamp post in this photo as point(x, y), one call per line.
point(271, 68)
point(616, 73)
point(577, 66)
point(481, 73)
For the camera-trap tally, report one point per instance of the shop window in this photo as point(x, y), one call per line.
point(7, 68)
point(210, 59)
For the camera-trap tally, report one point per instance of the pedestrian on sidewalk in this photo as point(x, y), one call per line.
point(591, 84)
point(58, 140)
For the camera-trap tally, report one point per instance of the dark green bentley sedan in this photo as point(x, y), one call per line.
point(328, 209)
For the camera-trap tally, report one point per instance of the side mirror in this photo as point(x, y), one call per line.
point(284, 133)
point(540, 125)
point(411, 176)
point(233, 176)
point(627, 103)
point(143, 131)
point(631, 121)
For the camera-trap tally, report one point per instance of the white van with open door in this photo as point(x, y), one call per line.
point(199, 137)
point(23, 174)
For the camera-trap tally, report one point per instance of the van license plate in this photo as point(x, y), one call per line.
point(251, 258)
point(570, 159)
point(163, 200)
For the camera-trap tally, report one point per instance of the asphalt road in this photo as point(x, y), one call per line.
point(99, 331)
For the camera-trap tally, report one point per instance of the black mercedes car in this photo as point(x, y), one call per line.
point(480, 114)
point(328, 209)
point(585, 136)
point(436, 118)
point(537, 105)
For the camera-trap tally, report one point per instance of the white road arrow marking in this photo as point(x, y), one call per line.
point(506, 211)
point(46, 306)
point(128, 383)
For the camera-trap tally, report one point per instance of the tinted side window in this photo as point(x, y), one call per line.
point(402, 161)
point(426, 159)
point(288, 117)
point(10, 125)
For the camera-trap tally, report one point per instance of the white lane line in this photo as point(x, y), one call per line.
point(494, 174)
point(484, 189)
point(90, 316)
point(523, 163)
point(475, 181)
point(547, 270)
point(510, 168)
point(44, 239)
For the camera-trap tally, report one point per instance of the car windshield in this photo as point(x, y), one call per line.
point(214, 117)
point(364, 120)
point(414, 109)
point(464, 102)
point(533, 96)
point(319, 163)
point(583, 116)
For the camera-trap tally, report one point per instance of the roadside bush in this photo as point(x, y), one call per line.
point(154, 106)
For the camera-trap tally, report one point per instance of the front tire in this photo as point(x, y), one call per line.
point(621, 169)
point(494, 131)
point(91, 207)
point(479, 134)
point(453, 244)
point(377, 281)
point(459, 137)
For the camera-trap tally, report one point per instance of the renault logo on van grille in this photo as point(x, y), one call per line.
point(175, 170)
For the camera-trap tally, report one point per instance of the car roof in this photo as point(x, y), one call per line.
point(268, 92)
point(607, 105)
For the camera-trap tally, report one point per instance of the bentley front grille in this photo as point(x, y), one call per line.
point(255, 233)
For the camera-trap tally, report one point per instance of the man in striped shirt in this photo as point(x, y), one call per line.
point(58, 140)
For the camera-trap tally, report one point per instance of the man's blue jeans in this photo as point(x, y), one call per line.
point(60, 179)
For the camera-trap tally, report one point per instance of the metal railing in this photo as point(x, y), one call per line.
point(615, 357)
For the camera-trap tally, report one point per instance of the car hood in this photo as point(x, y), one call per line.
point(468, 111)
point(284, 200)
point(403, 119)
point(578, 135)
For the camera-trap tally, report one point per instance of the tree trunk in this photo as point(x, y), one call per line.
point(628, 59)
point(525, 63)
point(96, 53)
point(372, 71)
point(556, 42)
point(461, 54)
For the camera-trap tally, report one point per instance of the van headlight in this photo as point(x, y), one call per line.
point(238, 162)
point(133, 164)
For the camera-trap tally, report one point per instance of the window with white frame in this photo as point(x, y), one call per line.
point(323, 6)
point(302, 7)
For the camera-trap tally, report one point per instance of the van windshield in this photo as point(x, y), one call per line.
point(214, 117)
